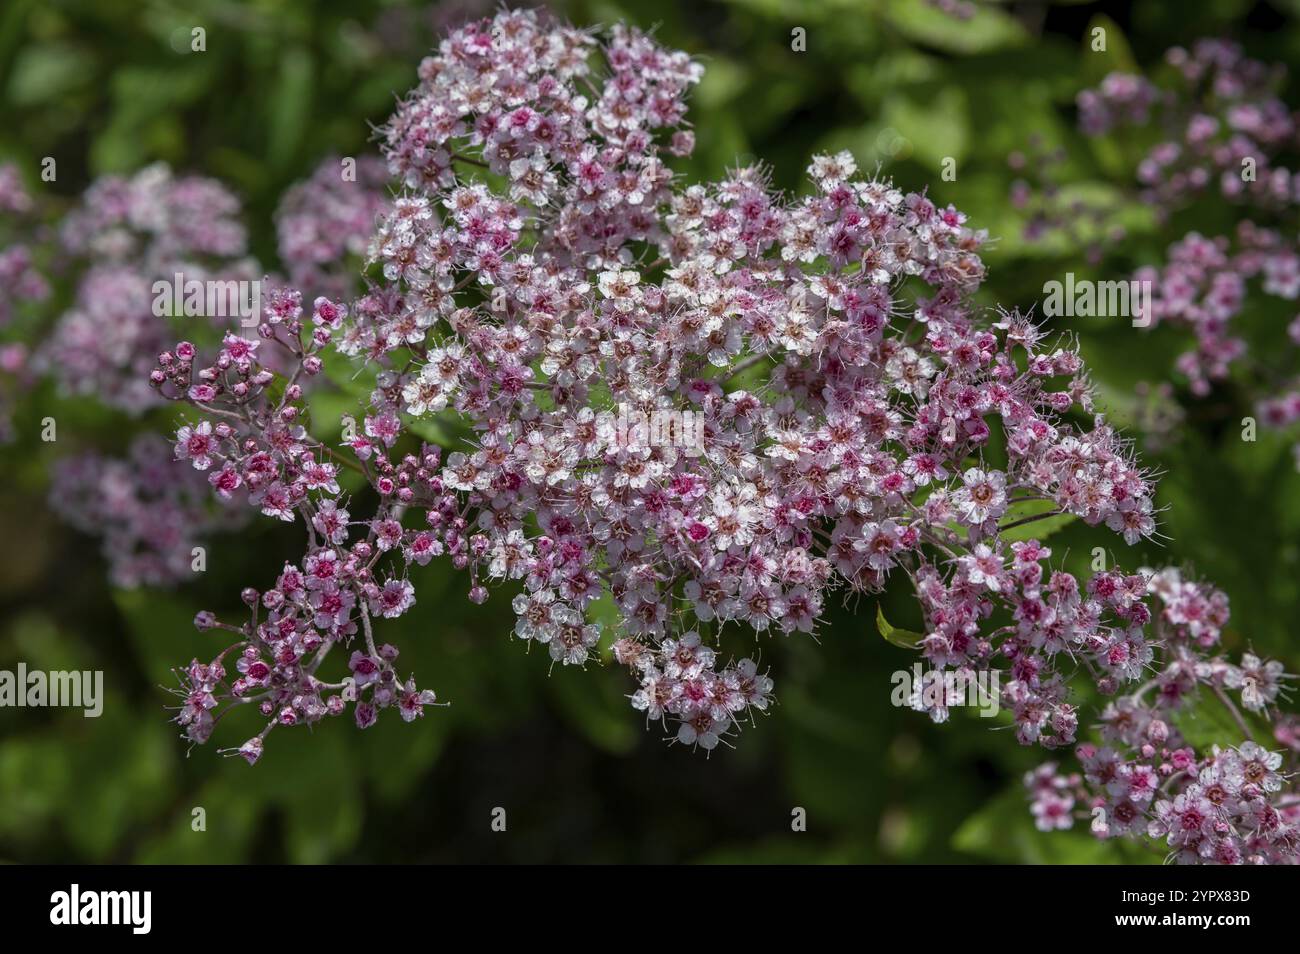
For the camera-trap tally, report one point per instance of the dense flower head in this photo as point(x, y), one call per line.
point(127, 234)
point(324, 223)
point(1214, 123)
point(1143, 779)
point(712, 403)
point(150, 512)
point(826, 349)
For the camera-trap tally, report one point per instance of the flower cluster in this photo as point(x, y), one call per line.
point(1047, 623)
point(849, 392)
point(844, 380)
point(324, 224)
point(150, 511)
point(1219, 119)
point(1204, 285)
point(1216, 124)
point(129, 233)
point(1218, 802)
point(251, 441)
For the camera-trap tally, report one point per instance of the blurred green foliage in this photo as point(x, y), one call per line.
point(109, 86)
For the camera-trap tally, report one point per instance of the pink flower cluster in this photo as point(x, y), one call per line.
point(1204, 285)
point(1218, 123)
point(1047, 624)
point(325, 223)
point(251, 441)
point(1219, 118)
point(1220, 803)
point(128, 234)
point(542, 278)
point(150, 511)
point(844, 382)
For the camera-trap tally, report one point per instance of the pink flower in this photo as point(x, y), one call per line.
point(196, 444)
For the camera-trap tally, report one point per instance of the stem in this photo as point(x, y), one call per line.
point(1237, 717)
point(1024, 520)
point(365, 625)
point(473, 162)
point(745, 365)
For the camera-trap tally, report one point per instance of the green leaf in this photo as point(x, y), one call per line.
point(1116, 58)
point(935, 124)
point(1003, 831)
point(289, 105)
point(1037, 529)
point(1209, 723)
point(44, 73)
point(903, 638)
point(987, 29)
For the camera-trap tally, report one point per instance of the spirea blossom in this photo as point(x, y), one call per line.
point(324, 223)
point(544, 271)
point(1216, 126)
point(1228, 802)
point(150, 512)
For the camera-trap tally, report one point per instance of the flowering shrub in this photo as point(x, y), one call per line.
point(1214, 126)
point(543, 266)
point(128, 234)
point(542, 273)
point(1200, 801)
